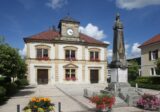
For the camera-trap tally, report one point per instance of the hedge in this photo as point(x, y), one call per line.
point(11, 88)
point(2, 80)
point(148, 80)
point(2, 93)
point(147, 86)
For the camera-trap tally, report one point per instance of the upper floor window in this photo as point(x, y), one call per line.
point(70, 54)
point(153, 55)
point(42, 53)
point(94, 55)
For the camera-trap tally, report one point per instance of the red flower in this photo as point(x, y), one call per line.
point(103, 100)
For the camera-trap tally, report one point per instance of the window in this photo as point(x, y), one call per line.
point(70, 55)
point(152, 71)
point(94, 56)
point(153, 55)
point(70, 74)
point(42, 53)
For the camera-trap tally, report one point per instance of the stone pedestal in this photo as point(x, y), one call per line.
point(119, 75)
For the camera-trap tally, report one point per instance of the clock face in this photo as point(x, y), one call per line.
point(70, 31)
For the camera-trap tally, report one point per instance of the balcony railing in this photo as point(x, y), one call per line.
point(43, 58)
point(94, 59)
point(71, 59)
point(71, 78)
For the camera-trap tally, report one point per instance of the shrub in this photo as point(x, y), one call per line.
point(11, 88)
point(21, 82)
point(1, 80)
point(2, 93)
point(149, 102)
point(147, 86)
point(148, 80)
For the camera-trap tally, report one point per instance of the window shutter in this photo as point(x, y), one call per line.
point(157, 54)
point(149, 55)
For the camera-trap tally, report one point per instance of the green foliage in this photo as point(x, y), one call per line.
point(147, 82)
point(2, 93)
point(147, 86)
point(21, 82)
point(1, 80)
point(158, 66)
point(11, 88)
point(11, 64)
point(133, 70)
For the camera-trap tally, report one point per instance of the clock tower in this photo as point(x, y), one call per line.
point(69, 27)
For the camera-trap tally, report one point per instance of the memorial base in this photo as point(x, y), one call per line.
point(119, 75)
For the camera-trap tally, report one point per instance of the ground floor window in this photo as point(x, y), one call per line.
point(70, 74)
point(152, 71)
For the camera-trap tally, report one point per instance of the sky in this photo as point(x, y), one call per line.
point(23, 18)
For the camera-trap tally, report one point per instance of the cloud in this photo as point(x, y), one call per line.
point(135, 51)
point(55, 4)
point(107, 42)
point(93, 31)
point(23, 51)
point(135, 4)
point(109, 53)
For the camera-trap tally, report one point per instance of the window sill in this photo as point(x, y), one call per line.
point(95, 60)
point(70, 59)
point(45, 59)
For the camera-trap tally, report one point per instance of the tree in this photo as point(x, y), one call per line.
point(133, 70)
point(157, 66)
point(11, 64)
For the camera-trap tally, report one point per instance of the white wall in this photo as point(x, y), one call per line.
point(61, 54)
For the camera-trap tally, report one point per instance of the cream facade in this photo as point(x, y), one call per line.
point(149, 55)
point(65, 56)
point(56, 63)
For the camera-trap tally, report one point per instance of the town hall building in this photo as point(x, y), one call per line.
point(66, 56)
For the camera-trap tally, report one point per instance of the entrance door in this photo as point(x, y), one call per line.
point(94, 76)
point(42, 76)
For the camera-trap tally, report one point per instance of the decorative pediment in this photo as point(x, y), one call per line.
point(70, 66)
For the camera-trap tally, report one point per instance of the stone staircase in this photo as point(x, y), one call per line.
point(125, 94)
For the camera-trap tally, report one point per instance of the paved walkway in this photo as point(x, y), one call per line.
point(22, 98)
point(70, 96)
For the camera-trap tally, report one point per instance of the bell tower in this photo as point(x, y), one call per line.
point(69, 27)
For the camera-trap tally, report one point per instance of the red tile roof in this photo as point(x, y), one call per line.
point(152, 40)
point(52, 34)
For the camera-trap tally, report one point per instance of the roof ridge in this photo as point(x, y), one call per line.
point(152, 40)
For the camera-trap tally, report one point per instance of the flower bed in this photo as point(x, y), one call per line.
point(38, 104)
point(149, 102)
point(103, 101)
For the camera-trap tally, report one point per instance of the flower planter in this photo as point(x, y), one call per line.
point(104, 102)
point(39, 104)
point(102, 108)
